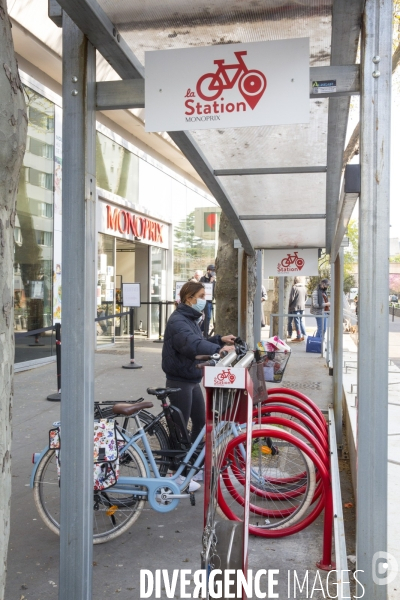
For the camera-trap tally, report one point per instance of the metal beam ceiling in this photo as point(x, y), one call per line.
point(346, 22)
point(278, 217)
point(100, 31)
point(268, 171)
point(351, 188)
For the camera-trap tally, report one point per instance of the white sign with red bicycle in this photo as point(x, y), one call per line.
point(230, 85)
point(225, 377)
point(288, 262)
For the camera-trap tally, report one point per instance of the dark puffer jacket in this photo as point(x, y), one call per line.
point(182, 342)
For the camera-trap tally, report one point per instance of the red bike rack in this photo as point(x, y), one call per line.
point(311, 426)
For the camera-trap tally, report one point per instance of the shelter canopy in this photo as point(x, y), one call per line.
point(333, 29)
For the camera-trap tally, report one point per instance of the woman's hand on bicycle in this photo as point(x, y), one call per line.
point(228, 339)
point(226, 349)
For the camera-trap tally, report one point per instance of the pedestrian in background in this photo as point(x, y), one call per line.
point(209, 277)
point(297, 304)
point(263, 299)
point(197, 275)
point(320, 304)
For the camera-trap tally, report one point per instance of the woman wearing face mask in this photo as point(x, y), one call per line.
point(182, 342)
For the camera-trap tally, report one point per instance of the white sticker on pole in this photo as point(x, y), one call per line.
point(230, 85)
point(288, 262)
point(225, 377)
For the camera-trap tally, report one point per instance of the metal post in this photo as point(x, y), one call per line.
point(372, 385)
point(280, 306)
point(132, 364)
point(160, 338)
point(240, 260)
point(338, 346)
point(79, 302)
point(330, 324)
point(243, 291)
point(257, 299)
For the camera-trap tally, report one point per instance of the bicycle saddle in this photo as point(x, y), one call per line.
point(162, 392)
point(130, 409)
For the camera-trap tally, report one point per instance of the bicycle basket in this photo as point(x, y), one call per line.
point(273, 364)
point(256, 372)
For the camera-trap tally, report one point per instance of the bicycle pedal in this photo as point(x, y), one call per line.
point(192, 499)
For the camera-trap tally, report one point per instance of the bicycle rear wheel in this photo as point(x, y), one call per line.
point(113, 513)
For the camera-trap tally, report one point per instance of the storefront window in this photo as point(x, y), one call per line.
point(33, 236)
point(158, 281)
point(117, 169)
point(105, 288)
point(195, 236)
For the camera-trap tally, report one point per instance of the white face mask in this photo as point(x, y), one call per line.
point(200, 304)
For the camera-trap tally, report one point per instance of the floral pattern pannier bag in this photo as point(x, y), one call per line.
point(105, 453)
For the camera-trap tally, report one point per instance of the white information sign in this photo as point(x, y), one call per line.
point(230, 85)
point(225, 377)
point(209, 287)
point(131, 295)
point(290, 261)
point(178, 287)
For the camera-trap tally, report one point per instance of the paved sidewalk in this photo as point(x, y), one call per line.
point(350, 390)
point(156, 541)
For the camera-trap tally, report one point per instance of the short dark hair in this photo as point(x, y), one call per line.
point(190, 289)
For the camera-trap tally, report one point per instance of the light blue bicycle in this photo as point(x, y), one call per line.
point(142, 468)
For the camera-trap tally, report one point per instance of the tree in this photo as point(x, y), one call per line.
point(13, 129)
point(226, 287)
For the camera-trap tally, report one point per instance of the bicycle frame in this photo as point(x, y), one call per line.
point(153, 484)
point(222, 70)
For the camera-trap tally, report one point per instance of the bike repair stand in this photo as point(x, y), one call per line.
point(132, 364)
point(232, 536)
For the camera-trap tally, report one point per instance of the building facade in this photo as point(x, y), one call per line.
point(155, 227)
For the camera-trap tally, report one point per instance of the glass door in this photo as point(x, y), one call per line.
point(158, 289)
point(105, 289)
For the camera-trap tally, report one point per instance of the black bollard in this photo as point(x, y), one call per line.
point(132, 364)
point(57, 397)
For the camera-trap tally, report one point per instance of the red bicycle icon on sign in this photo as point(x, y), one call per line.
point(225, 376)
point(293, 258)
point(251, 83)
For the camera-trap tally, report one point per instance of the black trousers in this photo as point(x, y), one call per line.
point(190, 401)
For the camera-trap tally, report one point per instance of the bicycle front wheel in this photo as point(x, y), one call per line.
point(113, 513)
point(282, 482)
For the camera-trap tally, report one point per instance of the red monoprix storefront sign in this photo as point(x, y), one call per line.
point(127, 223)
